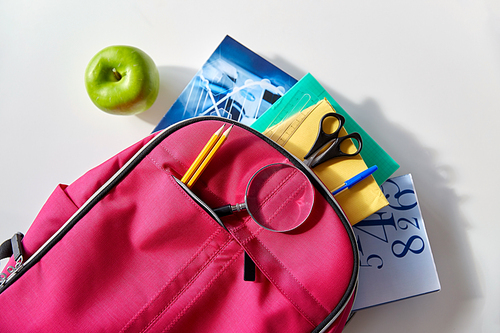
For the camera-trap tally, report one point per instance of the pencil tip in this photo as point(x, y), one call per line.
point(228, 130)
point(219, 131)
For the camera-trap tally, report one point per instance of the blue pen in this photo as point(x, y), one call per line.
point(354, 180)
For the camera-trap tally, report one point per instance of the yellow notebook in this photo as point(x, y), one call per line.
point(297, 135)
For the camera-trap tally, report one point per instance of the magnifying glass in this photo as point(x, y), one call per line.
point(279, 197)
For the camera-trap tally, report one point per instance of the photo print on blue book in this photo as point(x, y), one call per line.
point(234, 83)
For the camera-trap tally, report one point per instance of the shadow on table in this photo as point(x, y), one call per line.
point(444, 221)
point(173, 80)
point(445, 226)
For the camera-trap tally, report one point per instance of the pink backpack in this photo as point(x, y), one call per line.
point(128, 248)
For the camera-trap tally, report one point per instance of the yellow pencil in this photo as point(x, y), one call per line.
point(201, 156)
point(209, 157)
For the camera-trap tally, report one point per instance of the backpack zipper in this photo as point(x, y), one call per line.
point(17, 253)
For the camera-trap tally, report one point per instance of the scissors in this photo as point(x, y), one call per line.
point(314, 158)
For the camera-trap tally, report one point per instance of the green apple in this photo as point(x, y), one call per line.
point(122, 80)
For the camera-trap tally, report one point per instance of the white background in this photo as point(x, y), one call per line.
point(421, 77)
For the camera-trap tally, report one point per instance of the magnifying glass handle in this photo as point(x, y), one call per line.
point(229, 209)
point(223, 211)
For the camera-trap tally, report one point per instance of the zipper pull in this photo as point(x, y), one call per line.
point(18, 253)
point(17, 249)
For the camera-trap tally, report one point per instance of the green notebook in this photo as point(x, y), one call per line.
point(308, 92)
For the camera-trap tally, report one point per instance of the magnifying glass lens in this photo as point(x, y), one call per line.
point(279, 197)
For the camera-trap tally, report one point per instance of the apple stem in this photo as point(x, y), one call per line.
point(117, 75)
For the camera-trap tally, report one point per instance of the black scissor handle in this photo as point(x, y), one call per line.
point(335, 150)
point(324, 138)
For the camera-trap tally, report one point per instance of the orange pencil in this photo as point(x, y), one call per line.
point(209, 157)
point(201, 156)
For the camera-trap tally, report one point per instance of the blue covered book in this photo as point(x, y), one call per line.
point(395, 255)
point(234, 83)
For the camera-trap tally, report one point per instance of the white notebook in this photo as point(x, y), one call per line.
point(395, 254)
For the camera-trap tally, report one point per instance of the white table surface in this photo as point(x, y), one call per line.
point(421, 77)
